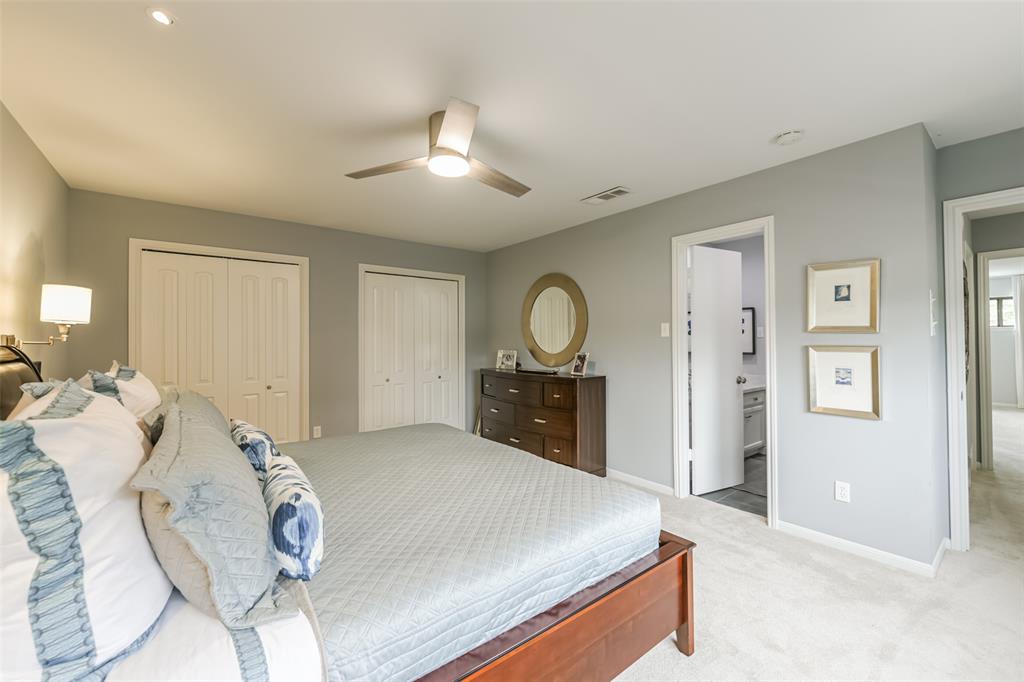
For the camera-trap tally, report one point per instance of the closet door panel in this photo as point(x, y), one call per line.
point(282, 355)
point(436, 351)
point(247, 341)
point(184, 323)
point(388, 359)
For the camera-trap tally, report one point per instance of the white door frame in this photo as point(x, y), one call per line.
point(425, 274)
point(984, 356)
point(680, 348)
point(955, 214)
point(137, 246)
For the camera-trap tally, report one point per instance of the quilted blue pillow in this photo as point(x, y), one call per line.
point(257, 445)
point(296, 519)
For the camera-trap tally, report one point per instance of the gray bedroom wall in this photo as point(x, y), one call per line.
point(988, 164)
point(101, 224)
point(998, 232)
point(874, 198)
point(33, 232)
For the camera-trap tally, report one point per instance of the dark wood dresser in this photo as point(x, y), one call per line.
point(554, 416)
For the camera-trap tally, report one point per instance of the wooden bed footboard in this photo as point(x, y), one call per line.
point(598, 632)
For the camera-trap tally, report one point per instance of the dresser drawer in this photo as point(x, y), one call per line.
point(561, 451)
point(516, 390)
point(524, 440)
point(492, 430)
point(496, 410)
point(753, 398)
point(560, 395)
point(558, 423)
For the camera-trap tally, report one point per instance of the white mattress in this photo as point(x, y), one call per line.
point(437, 541)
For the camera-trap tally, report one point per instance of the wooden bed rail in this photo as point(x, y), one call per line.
point(598, 632)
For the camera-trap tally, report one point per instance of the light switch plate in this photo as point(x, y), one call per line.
point(666, 330)
point(760, 332)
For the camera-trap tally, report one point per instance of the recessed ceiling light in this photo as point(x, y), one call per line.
point(788, 137)
point(162, 17)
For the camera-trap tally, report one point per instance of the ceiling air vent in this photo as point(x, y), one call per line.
point(606, 195)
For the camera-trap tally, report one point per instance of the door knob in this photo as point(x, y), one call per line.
point(386, 380)
point(741, 380)
point(268, 387)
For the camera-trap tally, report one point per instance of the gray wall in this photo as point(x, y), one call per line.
point(33, 232)
point(998, 232)
point(988, 164)
point(101, 224)
point(872, 198)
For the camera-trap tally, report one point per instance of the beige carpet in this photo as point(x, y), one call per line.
point(770, 606)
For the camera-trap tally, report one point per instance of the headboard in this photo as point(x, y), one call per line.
point(16, 368)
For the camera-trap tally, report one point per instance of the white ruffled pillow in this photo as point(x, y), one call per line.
point(81, 586)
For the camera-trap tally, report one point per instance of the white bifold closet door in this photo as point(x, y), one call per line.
point(228, 329)
point(184, 331)
point(410, 333)
point(263, 333)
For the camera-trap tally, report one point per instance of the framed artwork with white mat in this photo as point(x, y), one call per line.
point(843, 296)
point(844, 381)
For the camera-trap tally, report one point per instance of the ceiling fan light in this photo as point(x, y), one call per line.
point(448, 166)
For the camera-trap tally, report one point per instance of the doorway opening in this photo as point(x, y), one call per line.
point(723, 366)
point(971, 416)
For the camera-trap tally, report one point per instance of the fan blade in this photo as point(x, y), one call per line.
point(408, 164)
point(457, 126)
point(478, 170)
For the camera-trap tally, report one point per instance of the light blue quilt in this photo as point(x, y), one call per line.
point(437, 541)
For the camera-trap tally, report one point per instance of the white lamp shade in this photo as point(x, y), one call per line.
point(63, 304)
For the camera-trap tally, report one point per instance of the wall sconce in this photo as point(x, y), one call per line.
point(62, 305)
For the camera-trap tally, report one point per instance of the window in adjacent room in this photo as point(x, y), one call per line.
point(1000, 311)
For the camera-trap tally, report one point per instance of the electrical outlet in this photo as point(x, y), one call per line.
point(666, 330)
point(842, 491)
point(317, 432)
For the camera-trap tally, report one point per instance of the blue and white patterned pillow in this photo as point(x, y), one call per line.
point(128, 386)
point(74, 550)
point(296, 519)
point(257, 445)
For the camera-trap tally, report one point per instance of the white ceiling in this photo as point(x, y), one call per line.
point(261, 108)
point(1005, 267)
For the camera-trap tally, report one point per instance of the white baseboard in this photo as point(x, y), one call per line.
point(659, 488)
point(888, 558)
point(1010, 405)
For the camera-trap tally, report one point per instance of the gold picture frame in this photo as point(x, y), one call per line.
point(833, 388)
point(823, 305)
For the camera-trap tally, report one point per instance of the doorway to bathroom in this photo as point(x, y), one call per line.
point(724, 365)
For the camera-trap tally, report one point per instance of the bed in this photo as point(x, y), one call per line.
point(449, 555)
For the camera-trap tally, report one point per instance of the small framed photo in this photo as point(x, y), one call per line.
point(506, 359)
point(844, 380)
point(579, 365)
point(843, 296)
point(748, 320)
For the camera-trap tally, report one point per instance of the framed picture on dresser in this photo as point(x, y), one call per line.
point(579, 365)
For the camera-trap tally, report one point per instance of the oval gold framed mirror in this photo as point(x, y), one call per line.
point(554, 319)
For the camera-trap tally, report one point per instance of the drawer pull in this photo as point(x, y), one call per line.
point(495, 410)
point(487, 430)
point(513, 390)
point(556, 395)
point(514, 440)
point(487, 385)
point(557, 451)
point(540, 421)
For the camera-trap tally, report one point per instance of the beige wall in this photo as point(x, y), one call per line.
point(101, 225)
point(33, 240)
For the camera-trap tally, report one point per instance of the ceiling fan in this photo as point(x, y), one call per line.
point(448, 152)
